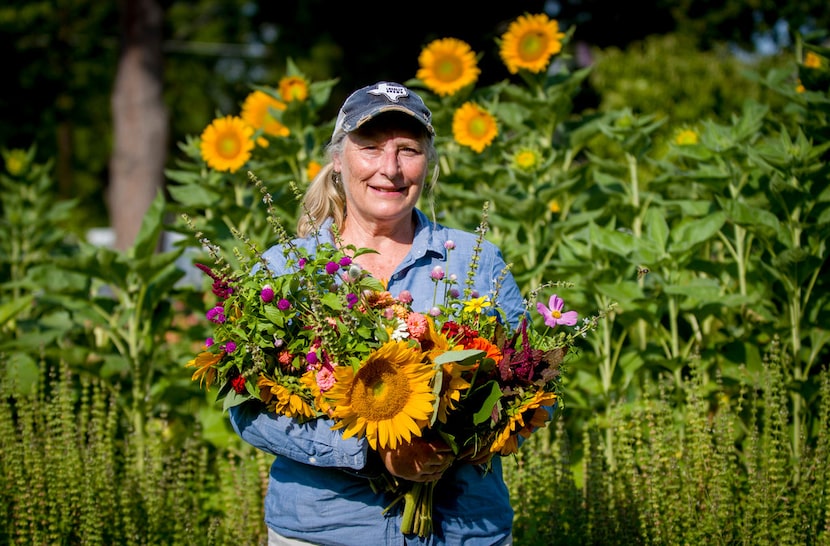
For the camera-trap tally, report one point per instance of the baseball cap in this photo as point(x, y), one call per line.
point(369, 102)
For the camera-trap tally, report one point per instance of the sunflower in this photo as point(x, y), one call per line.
point(686, 137)
point(226, 143)
point(527, 159)
point(451, 386)
point(507, 440)
point(205, 361)
point(811, 60)
point(312, 169)
point(293, 88)
point(388, 399)
point(283, 401)
point(447, 66)
point(257, 112)
point(474, 126)
point(529, 43)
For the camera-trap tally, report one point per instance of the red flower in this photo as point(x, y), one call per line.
point(238, 384)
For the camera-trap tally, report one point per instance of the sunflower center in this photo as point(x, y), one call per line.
point(380, 391)
point(448, 70)
point(228, 145)
point(478, 126)
point(533, 46)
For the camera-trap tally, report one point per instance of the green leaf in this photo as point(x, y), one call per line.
point(233, 399)
point(487, 407)
point(459, 356)
point(13, 308)
point(147, 240)
point(688, 234)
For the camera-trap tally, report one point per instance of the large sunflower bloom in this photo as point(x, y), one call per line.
point(507, 440)
point(388, 399)
point(447, 66)
point(226, 143)
point(293, 88)
point(474, 126)
point(257, 112)
point(205, 361)
point(530, 42)
point(283, 401)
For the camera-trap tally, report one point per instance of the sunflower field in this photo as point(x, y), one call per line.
point(698, 412)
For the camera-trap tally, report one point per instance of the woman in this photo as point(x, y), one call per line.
point(319, 490)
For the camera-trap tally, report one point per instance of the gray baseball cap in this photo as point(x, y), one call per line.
point(370, 101)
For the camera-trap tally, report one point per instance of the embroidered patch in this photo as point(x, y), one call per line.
point(392, 92)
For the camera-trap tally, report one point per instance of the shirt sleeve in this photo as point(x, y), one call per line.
point(312, 443)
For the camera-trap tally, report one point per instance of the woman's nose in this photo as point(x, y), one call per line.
point(390, 166)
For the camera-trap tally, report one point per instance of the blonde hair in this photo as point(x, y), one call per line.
point(325, 197)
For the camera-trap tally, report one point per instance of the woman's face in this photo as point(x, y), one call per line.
point(383, 169)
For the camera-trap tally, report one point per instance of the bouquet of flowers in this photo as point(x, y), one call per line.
point(327, 339)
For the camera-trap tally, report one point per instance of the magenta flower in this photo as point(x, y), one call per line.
point(283, 304)
point(216, 314)
point(437, 273)
point(301, 263)
point(332, 267)
point(267, 293)
point(554, 314)
point(345, 261)
point(208, 342)
point(311, 357)
point(230, 347)
point(405, 296)
point(351, 300)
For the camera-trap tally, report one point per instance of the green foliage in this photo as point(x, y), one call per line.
point(70, 474)
point(702, 468)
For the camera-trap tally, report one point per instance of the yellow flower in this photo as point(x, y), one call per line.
point(530, 42)
point(811, 60)
point(257, 112)
point(554, 207)
point(283, 401)
point(799, 88)
point(312, 169)
point(388, 399)
point(447, 66)
point(526, 159)
point(451, 387)
point(476, 305)
point(686, 137)
point(226, 143)
point(474, 126)
point(293, 88)
point(526, 418)
point(205, 361)
point(16, 162)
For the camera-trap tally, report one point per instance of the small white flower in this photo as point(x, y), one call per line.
point(400, 333)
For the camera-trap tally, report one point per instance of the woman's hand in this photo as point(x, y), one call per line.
point(419, 460)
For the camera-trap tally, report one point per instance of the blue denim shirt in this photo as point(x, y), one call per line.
point(315, 492)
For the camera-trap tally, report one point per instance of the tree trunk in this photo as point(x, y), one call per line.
point(140, 120)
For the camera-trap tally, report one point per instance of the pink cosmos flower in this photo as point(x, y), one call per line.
point(554, 314)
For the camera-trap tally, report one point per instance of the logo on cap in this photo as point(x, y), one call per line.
point(392, 92)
